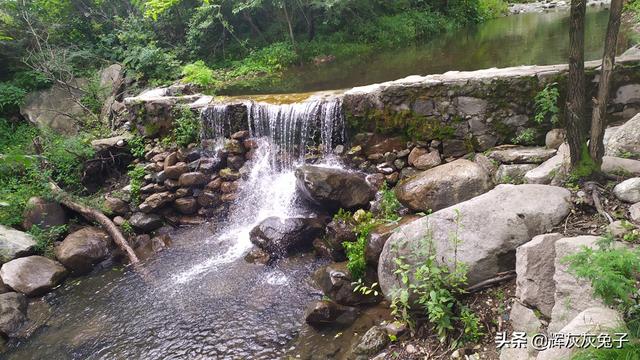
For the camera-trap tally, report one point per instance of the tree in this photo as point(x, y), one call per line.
point(575, 110)
point(598, 121)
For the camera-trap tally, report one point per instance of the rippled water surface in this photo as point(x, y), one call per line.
point(226, 310)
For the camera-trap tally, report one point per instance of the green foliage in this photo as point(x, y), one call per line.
point(611, 270)
point(526, 137)
point(547, 105)
point(65, 156)
point(46, 237)
point(389, 204)
point(268, 60)
point(343, 215)
point(629, 351)
point(360, 287)
point(136, 175)
point(357, 262)
point(187, 126)
point(11, 96)
point(94, 95)
point(490, 9)
point(434, 289)
point(127, 228)
point(584, 168)
point(136, 146)
point(198, 73)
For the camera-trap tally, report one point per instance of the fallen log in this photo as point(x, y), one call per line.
point(98, 217)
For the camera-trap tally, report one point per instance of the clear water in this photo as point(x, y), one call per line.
point(525, 39)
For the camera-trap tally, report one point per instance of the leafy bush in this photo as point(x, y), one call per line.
point(65, 156)
point(136, 176)
point(94, 95)
point(11, 96)
point(198, 73)
point(434, 290)
point(136, 146)
point(547, 105)
point(187, 126)
point(389, 204)
point(526, 137)
point(357, 262)
point(490, 9)
point(269, 60)
point(46, 237)
point(343, 215)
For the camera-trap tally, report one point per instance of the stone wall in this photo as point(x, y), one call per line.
point(474, 110)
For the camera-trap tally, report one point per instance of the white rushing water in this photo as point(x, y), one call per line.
point(283, 133)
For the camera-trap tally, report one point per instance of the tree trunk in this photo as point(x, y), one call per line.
point(599, 121)
point(575, 111)
point(96, 216)
point(288, 18)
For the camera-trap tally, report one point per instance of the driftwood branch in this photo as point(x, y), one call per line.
point(500, 278)
point(96, 216)
point(593, 188)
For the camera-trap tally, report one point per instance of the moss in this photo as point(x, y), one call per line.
point(150, 129)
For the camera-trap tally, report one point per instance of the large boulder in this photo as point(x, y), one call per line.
point(333, 188)
point(13, 313)
point(490, 227)
point(14, 243)
point(628, 190)
point(535, 268)
point(626, 139)
point(32, 275)
point(443, 186)
point(280, 237)
point(84, 248)
point(548, 170)
point(43, 213)
point(54, 108)
point(572, 294)
point(593, 320)
point(620, 166)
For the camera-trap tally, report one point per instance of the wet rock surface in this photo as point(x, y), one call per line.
point(333, 188)
point(280, 237)
point(82, 249)
point(32, 275)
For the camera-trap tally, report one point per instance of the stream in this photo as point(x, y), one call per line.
point(201, 299)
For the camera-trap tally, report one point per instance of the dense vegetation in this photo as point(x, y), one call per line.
point(209, 42)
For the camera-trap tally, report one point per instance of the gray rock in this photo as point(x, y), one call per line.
point(193, 179)
point(333, 188)
point(488, 165)
point(84, 248)
point(117, 206)
point(32, 275)
point(145, 222)
point(156, 201)
point(443, 186)
point(111, 142)
point(522, 319)
point(454, 148)
point(619, 228)
point(372, 342)
point(616, 166)
point(626, 139)
point(327, 313)
point(535, 267)
point(591, 320)
point(634, 213)
point(53, 108)
point(572, 294)
point(335, 281)
point(427, 161)
point(43, 213)
point(13, 313)
point(14, 243)
point(555, 138)
point(628, 190)
point(513, 173)
point(492, 226)
point(175, 171)
point(469, 106)
point(186, 205)
point(281, 237)
point(550, 169)
point(522, 155)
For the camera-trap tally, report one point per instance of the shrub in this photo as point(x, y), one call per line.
point(136, 146)
point(136, 176)
point(526, 137)
point(187, 126)
point(65, 156)
point(490, 9)
point(46, 237)
point(357, 262)
point(434, 290)
point(94, 95)
point(389, 204)
point(198, 73)
point(547, 105)
point(11, 96)
point(269, 60)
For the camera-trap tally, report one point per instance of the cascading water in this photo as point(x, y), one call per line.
point(285, 135)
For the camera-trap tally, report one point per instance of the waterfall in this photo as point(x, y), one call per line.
point(284, 135)
point(292, 129)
